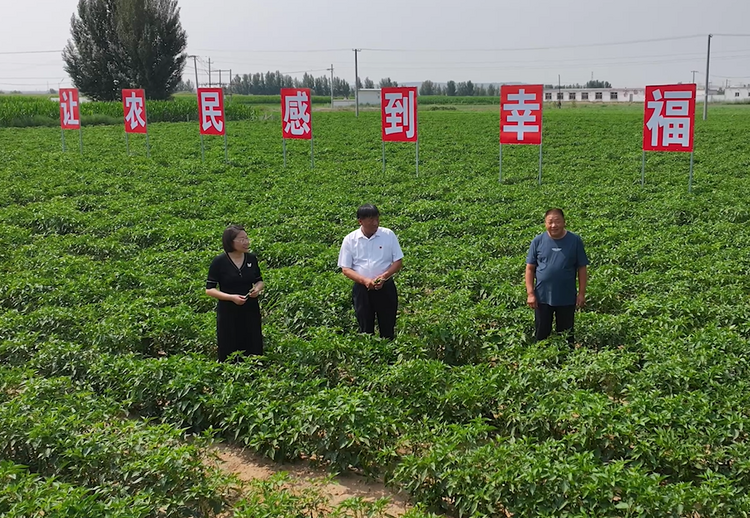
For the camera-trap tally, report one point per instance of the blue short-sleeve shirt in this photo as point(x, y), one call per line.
point(557, 261)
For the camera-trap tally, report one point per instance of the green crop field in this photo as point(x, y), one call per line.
point(109, 387)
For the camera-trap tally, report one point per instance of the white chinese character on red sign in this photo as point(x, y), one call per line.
point(296, 113)
point(211, 105)
point(521, 114)
point(135, 111)
point(399, 114)
point(69, 113)
point(668, 119)
point(674, 122)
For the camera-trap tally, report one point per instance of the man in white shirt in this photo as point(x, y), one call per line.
point(371, 256)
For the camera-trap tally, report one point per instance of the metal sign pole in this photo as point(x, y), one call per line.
point(540, 163)
point(127, 143)
point(312, 153)
point(203, 150)
point(643, 168)
point(145, 120)
point(690, 181)
point(226, 151)
point(417, 158)
point(708, 62)
point(283, 145)
point(384, 156)
point(62, 137)
point(500, 162)
point(80, 139)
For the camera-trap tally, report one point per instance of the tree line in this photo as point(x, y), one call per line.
point(271, 83)
point(594, 83)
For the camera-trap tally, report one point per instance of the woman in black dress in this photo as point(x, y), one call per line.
point(237, 275)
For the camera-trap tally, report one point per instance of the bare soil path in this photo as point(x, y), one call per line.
point(248, 466)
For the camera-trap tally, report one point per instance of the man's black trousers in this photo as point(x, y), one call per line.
point(564, 316)
point(382, 303)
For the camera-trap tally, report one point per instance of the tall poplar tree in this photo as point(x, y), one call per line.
point(120, 44)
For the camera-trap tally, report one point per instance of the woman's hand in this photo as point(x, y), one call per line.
point(239, 299)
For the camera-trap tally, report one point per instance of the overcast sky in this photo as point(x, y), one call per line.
point(479, 40)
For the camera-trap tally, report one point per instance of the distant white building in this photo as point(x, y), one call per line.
point(734, 94)
point(367, 97)
point(730, 94)
point(595, 95)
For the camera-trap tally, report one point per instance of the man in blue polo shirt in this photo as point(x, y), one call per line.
point(555, 258)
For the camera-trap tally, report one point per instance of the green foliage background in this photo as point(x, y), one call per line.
point(104, 259)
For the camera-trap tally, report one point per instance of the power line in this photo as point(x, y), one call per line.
point(516, 49)
point(507, 49)
point(295, 51)
point(22, 84)
point(614, 60)
point(545, 65)
point(31, 52)
point(542, 63)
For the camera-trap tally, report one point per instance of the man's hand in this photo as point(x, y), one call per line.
point(580, 300)
point(378, 283)
point(531, 300)
point(370, 284)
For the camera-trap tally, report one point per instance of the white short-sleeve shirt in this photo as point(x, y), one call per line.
point(371, 256)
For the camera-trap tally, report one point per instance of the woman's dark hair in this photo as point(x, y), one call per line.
point(227, 239)
point(367, 211)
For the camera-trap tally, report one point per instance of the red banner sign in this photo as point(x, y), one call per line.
point(211, 110)
point(669, 117)
point(398, 110)
point(521, 114)
point(134, 110)
point(296, 117)
point(70, 114)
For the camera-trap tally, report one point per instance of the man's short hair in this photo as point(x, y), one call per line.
point(227, 238)
point(368, 211)
point(553, 211)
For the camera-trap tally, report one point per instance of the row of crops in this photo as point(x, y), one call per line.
point(107, 339)
point(20, 111)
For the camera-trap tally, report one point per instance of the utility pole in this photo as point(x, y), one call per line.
point(209, 72)
point(708, 61)
point(356, 84)
point(694, 72)
point(331, 69)
point(221, 83)
point(195, 65)
point(559, 92)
